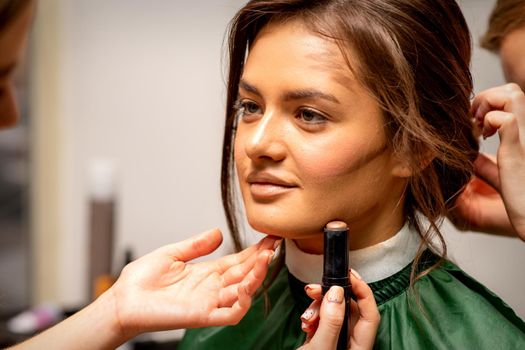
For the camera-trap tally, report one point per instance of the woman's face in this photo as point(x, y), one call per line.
point(512, 54)
point(310, 145)
point(12, 43)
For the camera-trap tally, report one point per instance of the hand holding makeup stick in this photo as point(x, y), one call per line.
point(323, 319)
point(161, 291)
point(494, 201)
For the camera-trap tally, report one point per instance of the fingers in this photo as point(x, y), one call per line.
point(507, 98)
point(508, 128)
point(226, 262)
point(487, 169)
point(228, 295)
point(366, 302)
point(236, 299)
point(511, 152)
point(364, 329)
point(251, 280)
point(331, 316)
point(236, 272)
point(500, 108)
point(257, 275)
point(310, 317)
point(234, 314)
point(314, 291)
point(194, 247)
point(322, 322)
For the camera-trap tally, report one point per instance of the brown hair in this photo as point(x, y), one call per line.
point(506, 16)
point(413, 56)
point(9, 9)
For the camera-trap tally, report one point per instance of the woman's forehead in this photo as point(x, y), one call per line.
point(290, 49)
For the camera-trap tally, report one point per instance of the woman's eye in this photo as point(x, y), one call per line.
point(251, 107)
point(247, 108)
point(311, 117)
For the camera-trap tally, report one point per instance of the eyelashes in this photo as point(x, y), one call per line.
point(248, 110)
point(310, 116)
point(245, 108)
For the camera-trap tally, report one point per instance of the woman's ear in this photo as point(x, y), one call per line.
point(403, 167)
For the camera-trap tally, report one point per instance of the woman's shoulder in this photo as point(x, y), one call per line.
point(447, 308)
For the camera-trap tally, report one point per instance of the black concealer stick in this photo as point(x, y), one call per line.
point(335, 270)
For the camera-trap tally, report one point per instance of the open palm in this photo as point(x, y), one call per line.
point(163, 291)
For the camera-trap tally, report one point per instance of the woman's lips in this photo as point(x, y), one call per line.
point(261, 190)
point(265, 186)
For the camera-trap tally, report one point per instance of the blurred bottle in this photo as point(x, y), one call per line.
point(102, 208)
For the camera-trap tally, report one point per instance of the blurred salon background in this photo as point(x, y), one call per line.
point(118, 151)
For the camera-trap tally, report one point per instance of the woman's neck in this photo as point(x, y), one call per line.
point(374, 263)
point(362, 234)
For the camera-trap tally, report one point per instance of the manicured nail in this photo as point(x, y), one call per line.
point(356, 274)
point(305, 327)
point(307, 315)
point(270, 257)
point(335, 295)
point(486, 132)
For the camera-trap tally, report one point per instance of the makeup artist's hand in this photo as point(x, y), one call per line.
point(494, 201)
point(163, 291)
point(322, 321)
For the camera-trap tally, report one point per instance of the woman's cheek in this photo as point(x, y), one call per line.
point(327, 164)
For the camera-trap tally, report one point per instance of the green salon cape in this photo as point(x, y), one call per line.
point(449, 310)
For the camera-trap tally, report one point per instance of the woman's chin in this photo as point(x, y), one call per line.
point(288, 230)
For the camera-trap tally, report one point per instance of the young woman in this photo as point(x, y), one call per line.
point(355, 110)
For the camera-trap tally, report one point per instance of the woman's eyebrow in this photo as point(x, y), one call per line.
point(309, 94)
point(302, 94)
point(248, 87)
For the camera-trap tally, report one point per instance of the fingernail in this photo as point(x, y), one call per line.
point(270, 257)
point(356, 274)
point(307, 315)
point(305, 327)
point(277, 244)
point(484, 133)
point(335, 295)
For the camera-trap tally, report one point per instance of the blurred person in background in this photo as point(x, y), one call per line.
point(494, 201)
point(505, 36)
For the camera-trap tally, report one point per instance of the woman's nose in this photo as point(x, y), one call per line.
point(266, 139)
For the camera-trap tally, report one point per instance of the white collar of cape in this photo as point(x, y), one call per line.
point(373, 263)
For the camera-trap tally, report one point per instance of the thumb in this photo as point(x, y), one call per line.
point(194, 247)
point(331, 318)
point(508, 129)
